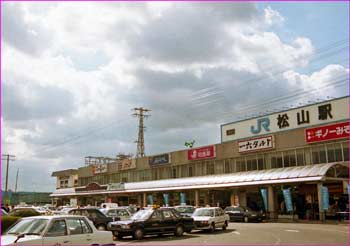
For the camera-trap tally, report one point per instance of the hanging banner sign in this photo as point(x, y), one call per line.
point(158, 160)
point(325, 198)
point(288, 199)
point(166, 199)
point(329, 132)
point(263, 192)
point(201, 153)
point(256, 144)
point(150, 199)
point(182, 198)
point(116, 186)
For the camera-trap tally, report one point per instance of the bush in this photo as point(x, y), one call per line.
point(27, 212)
point(7, 221)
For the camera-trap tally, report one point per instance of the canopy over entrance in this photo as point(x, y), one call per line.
point(309, 173)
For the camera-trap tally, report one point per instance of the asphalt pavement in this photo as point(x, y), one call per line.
point(255, 233)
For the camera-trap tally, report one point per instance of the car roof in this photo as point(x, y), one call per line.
point(53, 216)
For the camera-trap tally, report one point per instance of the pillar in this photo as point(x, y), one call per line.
point(322, 216)
point(144, 199)
point(139, 200)
point(242, 198)
point(271, 202)
point(196, 198)
point(206, 197)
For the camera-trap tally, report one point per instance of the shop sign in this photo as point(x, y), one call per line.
point(325, 198)
point(90, 187)
point(73, 202)
point(256, 144)
point(99, 168)
point(116, 186)
point(329, 132)
point(317, 114)
point(263, 192)
point(158, 160)
point(288, 199)
point(201, 153)
point(126, 164)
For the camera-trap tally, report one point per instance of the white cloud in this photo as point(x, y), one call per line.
point(273, 17)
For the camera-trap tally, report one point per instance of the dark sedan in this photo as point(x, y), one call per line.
point(152, 221)
point(96, 216)
point(244, 214)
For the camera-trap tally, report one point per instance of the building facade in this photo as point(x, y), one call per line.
point(286, 162)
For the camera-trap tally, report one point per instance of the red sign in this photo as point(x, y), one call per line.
point(330, 132)
point(201, 153)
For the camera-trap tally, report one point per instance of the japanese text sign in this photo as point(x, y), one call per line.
point(126, 164)
point(322, 113)
point(159, 160)
point(99, 168)
point(256, 144)
point(329, 132)
point(201, 153)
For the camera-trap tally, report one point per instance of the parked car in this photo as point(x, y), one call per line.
point(55, 230)
point(109, 205)
point(244, 214)
point(118, 213)
point(3, 212)
point(23, 212)
point(96, 216)
point(185, 210)
point(152, 221)
point(210, 218)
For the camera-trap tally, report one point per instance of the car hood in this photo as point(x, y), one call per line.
point(9, 239)
point(201, 218)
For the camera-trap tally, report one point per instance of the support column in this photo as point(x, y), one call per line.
point(242, 198)
point(271, 202)
point(320, 208)
point(196, 198)
point(144, 199)
point(139, 200)
point(206, 198)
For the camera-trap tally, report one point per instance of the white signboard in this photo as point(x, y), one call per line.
point(99, 168)
point(312, 115)
point(256, 144)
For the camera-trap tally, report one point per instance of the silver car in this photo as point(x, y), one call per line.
point(118, 213)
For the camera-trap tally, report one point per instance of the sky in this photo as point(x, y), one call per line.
point(73, 71)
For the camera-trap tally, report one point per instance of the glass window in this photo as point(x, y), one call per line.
point(319, 154)
point(252, 164)
point(210, 168)
point(173, 172)
point(261, 164)
point(300, 157)
point(276, 160)
point(57, 228)
point(190, 171)
point(85, 226)
point(156, 215)
point(167, 214)
point(28, 225)
point(240, 165)
point(346, 151)
point(74, 226)
point(289, 158)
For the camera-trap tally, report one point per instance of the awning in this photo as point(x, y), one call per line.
point(309, 173)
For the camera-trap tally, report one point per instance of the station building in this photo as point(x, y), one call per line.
point(298, 157)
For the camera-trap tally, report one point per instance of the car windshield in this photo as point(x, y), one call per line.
point(204, 212)
point(142, 214)
point(33, 226)
point(185, 209)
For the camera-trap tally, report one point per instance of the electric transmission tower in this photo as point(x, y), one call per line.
point(139, 112)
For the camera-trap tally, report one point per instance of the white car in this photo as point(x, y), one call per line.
point(60, 230)
point(210, 218)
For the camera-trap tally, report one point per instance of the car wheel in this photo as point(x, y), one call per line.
point(212, 227)
point(179, 231)
point(245, 219)
point(224, 226)
point(101, 228)
point(138, 234)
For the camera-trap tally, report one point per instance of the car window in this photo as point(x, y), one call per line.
point(74, 226)
point(156, 215)
point(112, 212)
point(167, 214)
point(29, 225)
point(221, 212)
point(85, 213)
point(57, 228)
point(122, 213)
point(85, 226)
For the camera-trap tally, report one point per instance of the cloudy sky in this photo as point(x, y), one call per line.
point(72, 72)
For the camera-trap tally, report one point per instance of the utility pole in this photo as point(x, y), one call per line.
point(8, 159)
point(16, 180)
point(139, 112)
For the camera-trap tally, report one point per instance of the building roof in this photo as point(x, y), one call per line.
point(307, 173)
point(66, 172)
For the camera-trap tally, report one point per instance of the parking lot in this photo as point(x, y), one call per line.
point(255, 233)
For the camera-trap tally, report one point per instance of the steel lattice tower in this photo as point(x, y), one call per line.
point(139, 112)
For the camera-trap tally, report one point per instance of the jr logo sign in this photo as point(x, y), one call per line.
point(261, 123)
